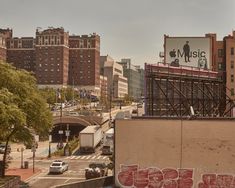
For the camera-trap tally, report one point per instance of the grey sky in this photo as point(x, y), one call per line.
point(128, 28)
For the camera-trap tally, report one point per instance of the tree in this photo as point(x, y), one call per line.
point(49, 94)
point(22, 109)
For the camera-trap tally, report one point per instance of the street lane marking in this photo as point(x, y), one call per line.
point(104, 157)
point(93, 157)
point(83, 157)
point(72, 157)
point(78, 157)
point(88, 157)
point(99, 157)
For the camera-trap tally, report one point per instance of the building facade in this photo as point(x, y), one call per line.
point(84, 64)
point(132, 73)
point(21, 53)
point(56, 58)
point(223, 60)
point(117, 84)
point(52, 57)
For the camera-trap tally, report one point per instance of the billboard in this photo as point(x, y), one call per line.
point(188, 51)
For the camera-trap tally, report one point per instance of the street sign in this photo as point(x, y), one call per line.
point(33, 149)
point(67, 133)
point(50, 138)
point(36, 138)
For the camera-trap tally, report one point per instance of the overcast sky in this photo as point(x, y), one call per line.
point(128, 28)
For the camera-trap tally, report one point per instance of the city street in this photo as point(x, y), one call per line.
point(77, 164)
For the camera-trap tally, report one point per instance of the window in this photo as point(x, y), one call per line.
point(232, 51)
point(220, 52)
point(232, 64)
point(232, 78)
point(232, 91)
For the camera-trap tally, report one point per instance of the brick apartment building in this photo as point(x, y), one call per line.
point(56, 58)
point(52, 57)
point(21, 53)
point(84, 66)
point(223, 58)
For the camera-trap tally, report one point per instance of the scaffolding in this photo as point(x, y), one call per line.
point(185, 91)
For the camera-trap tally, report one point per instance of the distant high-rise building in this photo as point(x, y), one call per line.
point(52, 57)
point(117, 84)
point(84, 62)
point(134, 78)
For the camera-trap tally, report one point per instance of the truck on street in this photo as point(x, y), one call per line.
point(108, 142)
point(89, 138)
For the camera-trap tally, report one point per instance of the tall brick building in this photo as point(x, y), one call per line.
point(84, 65)
point(21, 53)
point(223, 58)
point(52, 57)
point(56, 58)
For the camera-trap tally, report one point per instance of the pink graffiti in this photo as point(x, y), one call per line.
point(217, 181)
point(133, 177)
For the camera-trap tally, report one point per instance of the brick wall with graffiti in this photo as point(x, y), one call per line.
point(131, 176)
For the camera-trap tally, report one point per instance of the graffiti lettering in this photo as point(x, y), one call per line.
point(217, 181)
point(132, 176)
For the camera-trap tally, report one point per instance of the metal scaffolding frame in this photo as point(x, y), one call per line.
point(172, 91)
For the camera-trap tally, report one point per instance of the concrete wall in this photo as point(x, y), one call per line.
point(202, 146)
point(93, 183)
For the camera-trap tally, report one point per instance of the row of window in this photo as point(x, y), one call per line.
point(221, 53)
point(220, 65)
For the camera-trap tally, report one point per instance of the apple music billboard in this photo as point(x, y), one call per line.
point(188, 51)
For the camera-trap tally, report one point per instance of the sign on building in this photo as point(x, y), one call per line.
point(188, 51)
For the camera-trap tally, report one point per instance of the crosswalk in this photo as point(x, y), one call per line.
point(87, 157)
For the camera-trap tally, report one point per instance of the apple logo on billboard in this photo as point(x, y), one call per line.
point(172, 53)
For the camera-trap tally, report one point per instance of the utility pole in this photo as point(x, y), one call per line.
point(110, 105)
point(73, 93)
point(22, 157)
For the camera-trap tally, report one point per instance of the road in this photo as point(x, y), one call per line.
point(77, 164)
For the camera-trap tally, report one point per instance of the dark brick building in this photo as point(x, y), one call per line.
point(56, 58)
point(84, 61)
point(84, 54)
point(21, 53)
point(52, 57)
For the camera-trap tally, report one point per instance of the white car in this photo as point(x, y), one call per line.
point(58, 166)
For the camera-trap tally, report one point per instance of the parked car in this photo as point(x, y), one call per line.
point(96, 170)
point(58, 166)
point(2, 148)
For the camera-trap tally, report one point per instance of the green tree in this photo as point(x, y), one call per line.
point(22, 108)
point(49, 94)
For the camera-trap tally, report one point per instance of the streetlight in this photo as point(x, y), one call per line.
point(22, 159)
point(49, 149)
point(67, 133)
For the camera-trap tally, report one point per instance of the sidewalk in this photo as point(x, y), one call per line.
point(25, 174)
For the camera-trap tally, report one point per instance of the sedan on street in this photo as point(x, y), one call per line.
point(58, 166)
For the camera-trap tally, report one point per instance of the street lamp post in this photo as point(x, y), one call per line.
point(22, 159)
point(67, 133)
point(49, 149)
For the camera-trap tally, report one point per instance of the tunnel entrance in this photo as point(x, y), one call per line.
point(59, 131)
